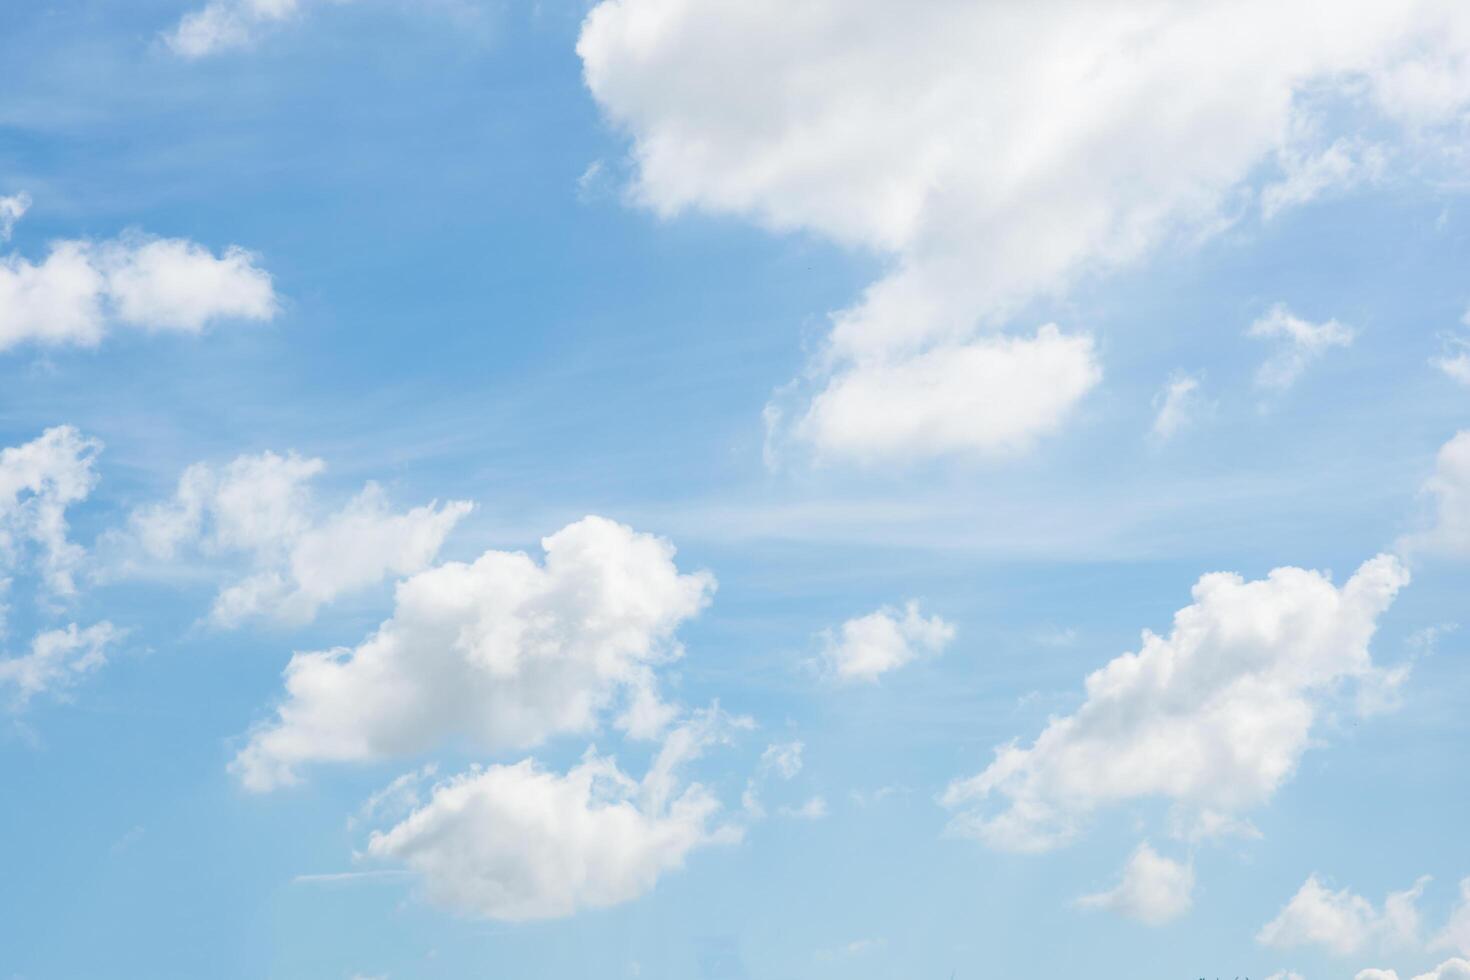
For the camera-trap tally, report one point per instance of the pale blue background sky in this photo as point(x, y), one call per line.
point(461, 322)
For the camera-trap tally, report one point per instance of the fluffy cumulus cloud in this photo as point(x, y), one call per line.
point(1456, 933)
point(39, 480)
point(262, 508)
point(1298, 344)
point(866, 648)
point(1448, 491)
point(500, 653)
point(995, 153)
point(517, 842)
point(1343, 922)
point(1153, 890)
point(1214, 716)
point(82, 288)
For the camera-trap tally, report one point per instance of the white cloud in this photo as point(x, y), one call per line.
point(996, 153)
point(1456, 933)
point(1285, 975)
point(1310, 170)
point(1449, 491)
point(996, 395)
point(516, 842)
point(1214, 716)
point(1342, 922)
point(1455, 360)
point(224, 24)
point(501, 653)
point(870, 646)
point(782, 758)
point(262, 507)
point(57, 660)
point(1299, 344)
point(38, 482)
point(1455, 969)
point(1154, 890)
point(1175, 406)
point(813, 809)
point(82, 289)
point(12, 209)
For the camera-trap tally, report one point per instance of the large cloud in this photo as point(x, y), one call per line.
point(1213, 716)
point(261, 507)
point(517, 842)
point(501, 653)
point(82, 289)
point(996, 152)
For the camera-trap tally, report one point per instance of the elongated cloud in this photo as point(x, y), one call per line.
point(998, 153)
point(262, 508)
point(1342, 922)
point(38, 482)
point(501, 653)
point(1213, 716)
point(57, 660)
point(83, 289)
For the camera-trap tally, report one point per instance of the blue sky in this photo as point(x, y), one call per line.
point(399, 399)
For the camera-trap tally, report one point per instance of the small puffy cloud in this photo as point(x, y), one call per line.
point(500, 653)
point(12, 209)
point(813, 809)
point(57, 660)
point(915, 131)
point(1448, 491)
point(1299, 343)
point(1285, 975)
point(516, 842)
point(261, 507)
point(782, 758)
point(990, 396)
point(224, 24)
point(1342, 922)
point(1175, 406)
point(1154, 889)
point(865, 648)
point(1213, 716)
point(38, 482)
point(82, 289)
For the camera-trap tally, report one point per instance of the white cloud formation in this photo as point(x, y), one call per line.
point(1153, 890)
point(516, 842)
point(12, 209)
point(996, 153)
point(1456, 933)
point(1299, 343)
point(500, 653)
point(38, 482)
point(1213, 716)
point(262, 507)
point(1454, 969)
point(82, 289)
point(994, 395)
point(57, 660)
point(223, 24)
point(1175, 406)
point(1448, 490)
point(865, 648)
point(1342, 922)
point(814, 808)
point(1455, 359)
point(782, 758)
